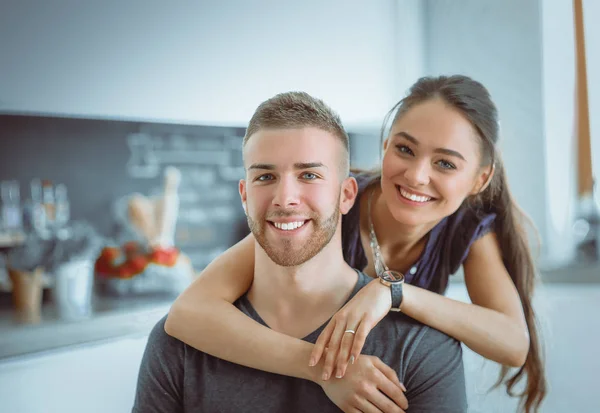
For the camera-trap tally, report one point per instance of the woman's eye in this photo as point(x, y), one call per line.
point(404, 149)
point(309, 175)
point(446, 165)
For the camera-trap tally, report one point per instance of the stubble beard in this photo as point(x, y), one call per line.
point(287, 252)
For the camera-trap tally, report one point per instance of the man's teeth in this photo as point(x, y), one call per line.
point(413, 197)
point(288, 226)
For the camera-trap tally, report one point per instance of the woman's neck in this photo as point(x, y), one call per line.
point(395, 237)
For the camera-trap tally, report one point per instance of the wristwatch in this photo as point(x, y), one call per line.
point(394, 280)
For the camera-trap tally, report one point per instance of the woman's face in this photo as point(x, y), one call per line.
point(431, 163)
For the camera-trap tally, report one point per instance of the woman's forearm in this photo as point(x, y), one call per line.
point(489, 333)
point(204, 317)
point(220, 329)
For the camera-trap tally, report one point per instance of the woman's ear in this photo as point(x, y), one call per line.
point(386, 143)
point(349, 190)
point(484, 179)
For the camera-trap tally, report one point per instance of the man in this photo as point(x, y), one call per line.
point(296, 188)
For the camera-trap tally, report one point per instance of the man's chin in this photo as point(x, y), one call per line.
point(287, 257)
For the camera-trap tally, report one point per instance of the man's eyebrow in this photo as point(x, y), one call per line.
point(299, 165)
point(267, 166)
point(445, 151)
point(309, 165)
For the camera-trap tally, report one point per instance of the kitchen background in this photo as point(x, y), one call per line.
point(102, 97)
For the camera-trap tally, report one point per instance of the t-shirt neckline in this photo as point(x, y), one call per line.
point(245, 305)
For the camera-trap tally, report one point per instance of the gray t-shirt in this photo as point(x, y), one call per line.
point(175, 377)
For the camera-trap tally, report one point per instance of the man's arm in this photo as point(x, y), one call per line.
point(435, 377)
point(160, 380)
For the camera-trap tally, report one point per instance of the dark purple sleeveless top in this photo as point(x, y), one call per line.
point(447, 246)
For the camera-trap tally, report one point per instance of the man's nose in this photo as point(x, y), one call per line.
point(286, 193)
point(417, 174)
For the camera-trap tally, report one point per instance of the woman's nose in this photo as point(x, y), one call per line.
point(417, 174)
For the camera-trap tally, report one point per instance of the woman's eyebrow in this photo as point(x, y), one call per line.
point(445, 151)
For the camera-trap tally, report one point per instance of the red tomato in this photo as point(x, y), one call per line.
point(125, 271)
point(138, 263)
point(164, 256)
point(110, 254)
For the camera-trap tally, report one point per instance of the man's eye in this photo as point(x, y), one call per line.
point(309, 175)
point(404, 149)
point(265, 177)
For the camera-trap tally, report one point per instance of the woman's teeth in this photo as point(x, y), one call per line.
point(413, 197)
point(288, 226)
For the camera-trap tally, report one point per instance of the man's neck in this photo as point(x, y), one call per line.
point(298, 300)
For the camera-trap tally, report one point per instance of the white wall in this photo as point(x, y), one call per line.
point(409, 61)
point(410, 47)
point(559, 88)
point(201, 62)
point(558, 82)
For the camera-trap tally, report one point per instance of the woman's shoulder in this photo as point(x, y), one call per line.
point(472, 218)
point(464, 227)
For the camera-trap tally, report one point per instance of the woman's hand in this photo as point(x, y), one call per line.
point(369, 387)
point(359, 315)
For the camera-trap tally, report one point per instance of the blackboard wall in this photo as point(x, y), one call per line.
point(101, 161)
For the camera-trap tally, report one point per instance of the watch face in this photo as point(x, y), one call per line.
point(392, 276)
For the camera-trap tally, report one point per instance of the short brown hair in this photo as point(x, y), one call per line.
point(298, 110)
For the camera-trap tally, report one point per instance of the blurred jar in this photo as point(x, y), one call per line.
point(62, 207)
point(27, 288)
point(49, 202)
point(11, 206)
point(34, 213)
point(72, 291)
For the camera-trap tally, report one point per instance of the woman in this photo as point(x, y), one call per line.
point(440, 201)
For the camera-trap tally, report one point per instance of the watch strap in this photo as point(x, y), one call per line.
point(396, 290)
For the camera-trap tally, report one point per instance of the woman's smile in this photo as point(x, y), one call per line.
point(413, 197)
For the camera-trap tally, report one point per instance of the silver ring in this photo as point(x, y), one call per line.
point(350, 331)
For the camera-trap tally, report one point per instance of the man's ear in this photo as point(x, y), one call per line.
point(349, 190)
point(484, 179)
point(242, 189)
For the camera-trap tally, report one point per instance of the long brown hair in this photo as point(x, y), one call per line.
point(473, 101)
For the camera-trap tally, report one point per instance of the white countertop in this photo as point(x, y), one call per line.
point(111, 318)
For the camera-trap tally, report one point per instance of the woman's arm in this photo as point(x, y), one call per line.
point(204, 317)
point(493, 325)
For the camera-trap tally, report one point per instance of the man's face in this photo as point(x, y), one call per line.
point(293, 191)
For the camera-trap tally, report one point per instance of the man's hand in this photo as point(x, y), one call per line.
point(369, 386)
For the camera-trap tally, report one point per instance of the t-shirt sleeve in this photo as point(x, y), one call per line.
point(160, 380)
point(435, 377)
point(468, 227)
